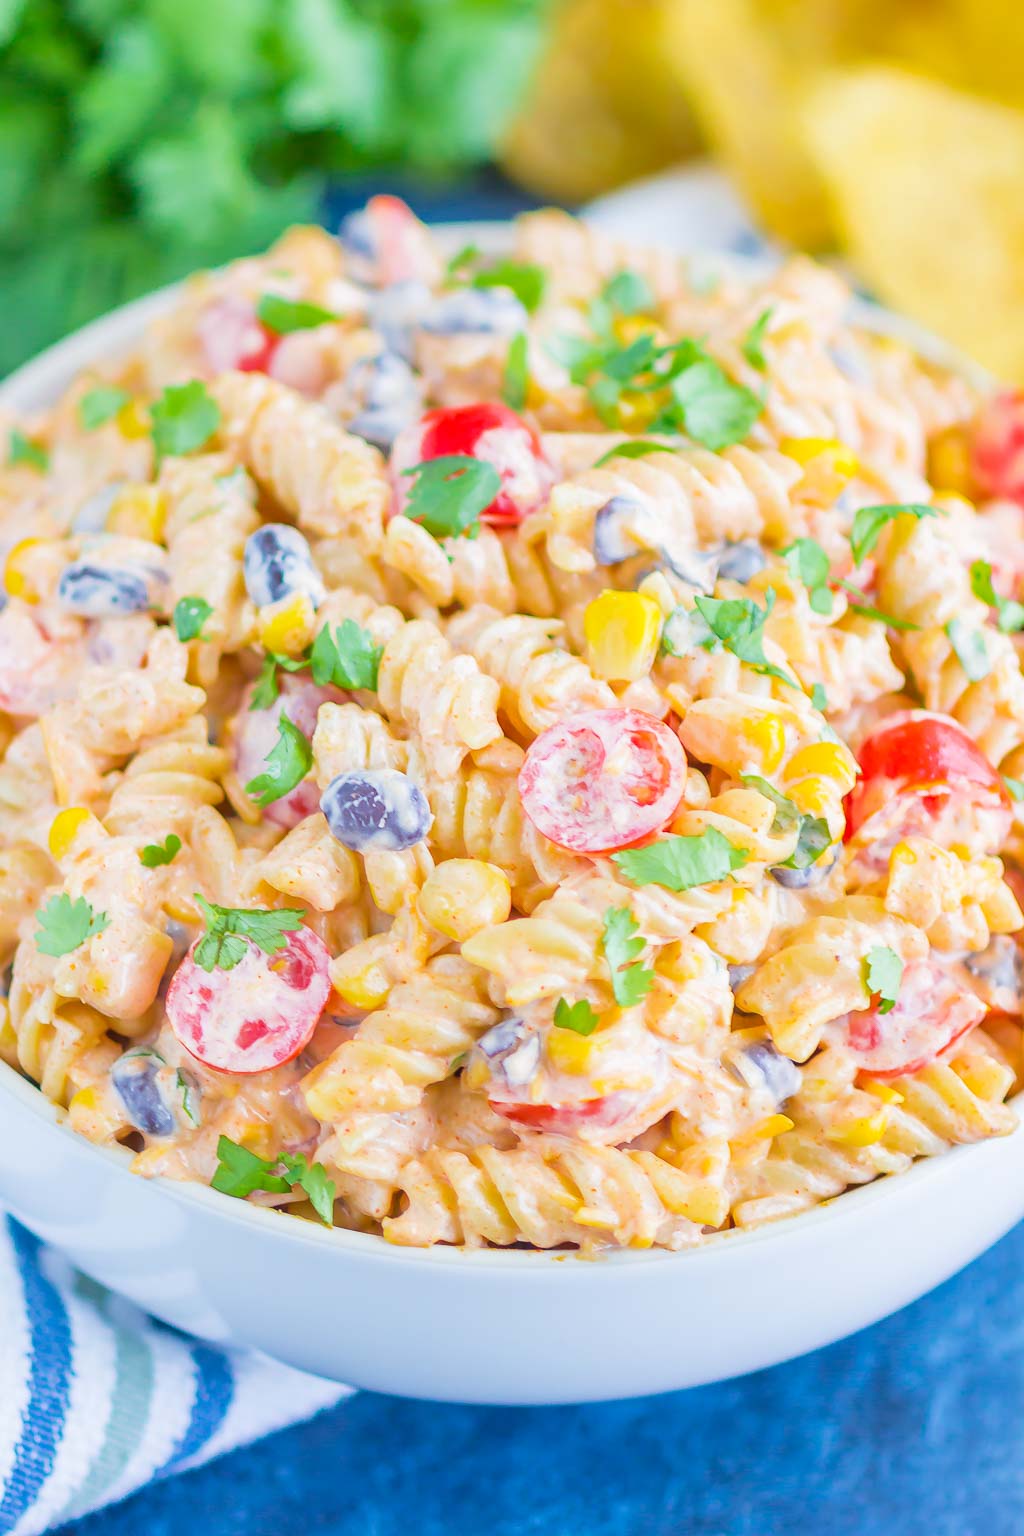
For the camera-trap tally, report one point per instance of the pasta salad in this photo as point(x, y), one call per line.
point(515, 749)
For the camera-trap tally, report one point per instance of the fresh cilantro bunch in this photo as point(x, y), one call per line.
point(140, 139)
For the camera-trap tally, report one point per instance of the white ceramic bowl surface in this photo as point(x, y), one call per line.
point(487, 1326)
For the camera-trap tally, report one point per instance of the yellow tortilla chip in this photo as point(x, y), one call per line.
point(928, 190)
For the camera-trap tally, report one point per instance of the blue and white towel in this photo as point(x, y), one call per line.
point(96, 1398)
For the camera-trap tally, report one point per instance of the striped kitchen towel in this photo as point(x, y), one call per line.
point(96, 1398)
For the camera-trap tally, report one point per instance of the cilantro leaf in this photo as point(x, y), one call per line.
point(313, 1179)
point(515, 378)
point(267, 687)
point(883, 972)
point(1015, 787)
point(1009, 614)
point(625, 294)
point(155, 854)
point(970, 648)
point(348, 659)
point(819, 698)
point(240, 1171)
point(189, 616)
point(630, 982)
point(868, 523)
point(65, 924)
point(101, 405)
point(223, 943)
point(282, 316)
point(864, 608)
point(635, 448)
point(22, 450)
point(680, 863)
point(450, 493)
point(715, 411)
point(739, 624)
point(184, 418)
point(808, 563)
point(579, 1017)
point(290, 759)
point(753, 348)
point(526, 280)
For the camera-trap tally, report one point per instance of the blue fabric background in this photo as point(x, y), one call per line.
point(912, 1428)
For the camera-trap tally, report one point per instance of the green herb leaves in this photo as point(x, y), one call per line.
point(65, 924)
point(970, 649)
point(22, 450)
point(282, 316)
point(868, 523)
point(290, 759)
point(189, 616)
point(883, 972)
point(808, 563)
point(240, 1172)
point(813, 837)
point(1009, 614)
point(680, 863)
point(630, 982)
point(579, 1017)
point(710, 407)
point(155, 854)
point(633, 448)
point(753, 343)
point(738, 623)
point(515, 378)
point(346, 659)
point(525, 279)
point(100, 405)
point(184, 418)
point(227, 928)
point(450, 492)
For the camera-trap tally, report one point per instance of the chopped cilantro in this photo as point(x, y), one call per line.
point(282, 316)
point(753, 343)
point(864, 608)
point(290, 759)
point(313, 1180)
point(100, 405)
point(715, 411)
point(189, 616)
point(65, 924)
point(240, 1172)
point(883, 972)
point(184, 418)
point(680, 863)
point(630, 982)
point(227, 928)
point(267, 687)
point(450, 493)
point(970, 648)
point(808, 563)
point(813, 835)
point(515, 378)
point(155, 854)
point(348, 658)
point(868, 523)
point(634, 448)
point(579, 1017)
point(819, 698)
point(739, 624)
point(1009, 614)
point(22, 450)
point(525, 280)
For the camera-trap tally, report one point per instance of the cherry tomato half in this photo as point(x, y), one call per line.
point(255, 1016)
point(997, 451)
point(256, 735)
point(593, 1115)
point(930, 1015)
point(607, 778)
point(232, 336)
point(921, 773)
point(491, 433)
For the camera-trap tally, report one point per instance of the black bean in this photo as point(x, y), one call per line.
point(762, 1066)
point(475, 311)
point(387, 395)
point(376, 809)
point(135, 1077)
point(615, 523)
point(278, 563)
point(395, 312)
point(512, 1050)
point(741, 560)
point(102, 592)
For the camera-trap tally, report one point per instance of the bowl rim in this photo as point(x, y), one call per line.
point(33, 386)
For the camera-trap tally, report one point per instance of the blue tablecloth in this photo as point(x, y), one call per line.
point(912, 1428)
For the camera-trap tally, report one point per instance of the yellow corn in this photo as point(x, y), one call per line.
point(364, 987)
point(629, 328)
point(461, 896)
point(637, 410)
point(767, 739)
point(17, 577)
point(949, 461)
point(828, 758)
point(884, 1091)
point(287, 627)
point(138, 512)
point(569, 1052)
point(806, 449)
point(865, 1130)
point(65, 827)
point(133, 420)
point(622, 630)
point(813, 795)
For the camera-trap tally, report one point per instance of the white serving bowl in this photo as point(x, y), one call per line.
point(487, 1326)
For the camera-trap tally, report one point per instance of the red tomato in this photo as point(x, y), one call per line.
point(256, 734)
point(491, 433)
point(923, 775)
point(997, 451)
point(569, 1119)
point(930, 1015)
point(605, 779)
point(255, 1016)
point(232, 336)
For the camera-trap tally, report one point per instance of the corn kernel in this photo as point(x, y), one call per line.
point(17, 579)
point(767, 738)
point(569, 1052)
point(812, 795)
point(65, 827)
point(884, 1091)
point(138, 512)
point(636, 411)
point(133, 420)
point(949, 461)
point(805, 449)
point(629, 328)
point(828, 758)
point(365, 988)
point(622, 631)
point(287, 626)
point(461, 896)
point(865, 1130)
